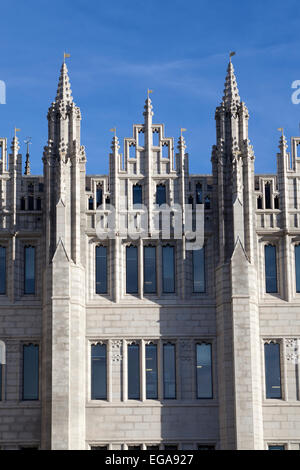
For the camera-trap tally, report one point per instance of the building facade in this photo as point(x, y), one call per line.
point(125, 342)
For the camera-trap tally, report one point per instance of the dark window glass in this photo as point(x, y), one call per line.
point(259, 203)
point(168, 269)
point(101, 270)
point(276, 202)
point(268, 195)
point(198, 193)
point(30, 203)
point(29, 287)
point(41, 187)
point(152, 447)
point(31, 372)
point(170, 447)
point(99, 372)
point(199, 270)
point(149, 269)
point(137, 194)
point(272, 370)
point(22, 203)
point(276, 447)
point(91, 203)
point(2, 270)
point(133, 372)
point(151, 371)
point(190, 201)
point(297, 263)
point(270, 268)
point(134, 447)
point(99, 197)
point(131, 270)
point(207, 203)
point(204, 447)
point(169, 359)
point(204, 371)
point(38, 204)
point(99, 447)
point(31, 188)
point(161, 197)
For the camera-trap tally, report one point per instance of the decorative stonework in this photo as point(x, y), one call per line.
point(292, 350)
point(185, 350)
point(116, 347)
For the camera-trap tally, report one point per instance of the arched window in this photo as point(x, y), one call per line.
point(29, 270)
point(272, 370)
point(30, 203)
point(155, 139)
point(141, 137)
point(259, 202)
point(276, 202)
point(165, 150)
point(99, 195)
point(131, 269)
point(132, 150)
point(91, 203)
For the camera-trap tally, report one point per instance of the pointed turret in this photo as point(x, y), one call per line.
point(27, 161)
point(64, 92)
point(231, 93)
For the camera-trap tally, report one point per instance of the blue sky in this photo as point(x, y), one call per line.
point(178, 48)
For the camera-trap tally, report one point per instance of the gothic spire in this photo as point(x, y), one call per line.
point(27, 161)
point(64, 92)
point(231, 92)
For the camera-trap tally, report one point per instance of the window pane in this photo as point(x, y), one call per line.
point(268, 196)
point(149, 269)
point(133, 372)
point(29, 270)
point(204, 371)
point(99, 447)
point(131, 270)
point(152, 447)
point(30, 203)
point(30, 372)
point(134, 447)
point(198, 194)
point(168, 269)
point(199, 270)
point(170, 447)
point(151, 371)
point(204, 447)
point(272, 370)
point(270, 268)
point(137, 194)
point(99, 373)
point(99, 197)
point(160, 194)
point(169, 371)
point(297, 263)
point(277, 447)
point(101, 270)
point(2, 270)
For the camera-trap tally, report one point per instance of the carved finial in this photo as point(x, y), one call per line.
point(15, 142)
point(27, 161)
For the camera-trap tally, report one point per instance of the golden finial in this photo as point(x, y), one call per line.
point(114, 130)
point(66, 55)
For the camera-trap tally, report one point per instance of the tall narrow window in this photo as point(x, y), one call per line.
point(1, 380)
point(168, 269)
point(22, 204)
point(259, 202)
point(207, 203)
point(169, 358)
point(99, 196)
point(198, 193)
point(30, 203)
point(270, 268)
point(38, 204)
point(204, 371)
point(29, 284)
point(91, 203)
point(198, 270)
point(161, 194)
point(267, 196)
point(297, 264)
point(149, 269)
point(133, 354)
point(137, 195)
point(101, 270)
point(30, 372)
point(272, 370)
point(151, 371)
point(99, 372)
point(131, 269)
point(2, 270)
point(276, 202)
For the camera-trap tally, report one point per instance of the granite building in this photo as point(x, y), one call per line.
point(126, 343)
